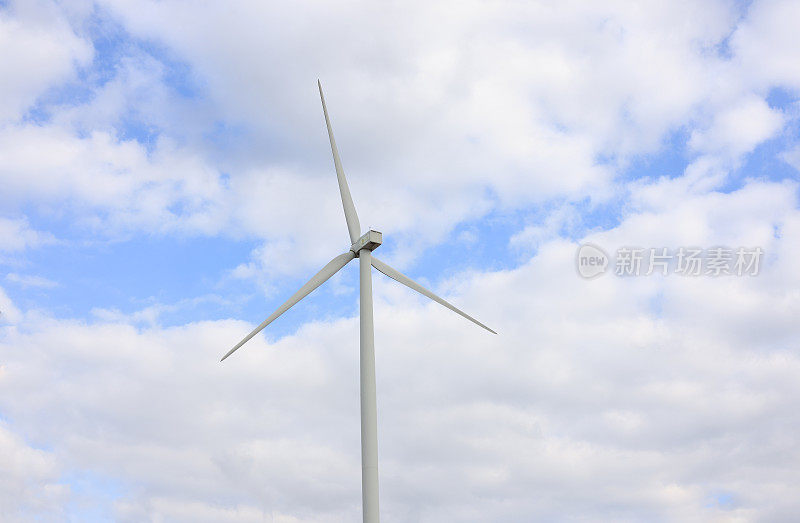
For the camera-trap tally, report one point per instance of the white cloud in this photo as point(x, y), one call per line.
point(38, 49)
point(197, 511)
point(676, 392)
point(739, 128)
point(532, 236)
point(30, 280)
point(118, 181)
point(16, 235)
point(766, 44)
point(9, 313)
point(524, 116)
point(624, 399)
point(152, 314)
point(443, 113)
point(29, 487)
point(792, 157)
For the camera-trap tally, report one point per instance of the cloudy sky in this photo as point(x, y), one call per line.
point(166, 182)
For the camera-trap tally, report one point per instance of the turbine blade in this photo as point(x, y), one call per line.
point(353, 227)
point(408, 282)
point(321, 277)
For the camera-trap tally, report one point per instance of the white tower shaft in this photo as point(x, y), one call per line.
point(369, 409)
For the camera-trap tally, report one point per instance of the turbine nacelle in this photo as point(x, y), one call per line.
point(370, 241)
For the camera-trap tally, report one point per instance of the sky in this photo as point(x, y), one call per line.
point(167, 183)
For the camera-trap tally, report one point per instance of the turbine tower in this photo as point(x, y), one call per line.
point(361, 248)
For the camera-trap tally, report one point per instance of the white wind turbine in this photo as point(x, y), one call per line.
point(361, 248)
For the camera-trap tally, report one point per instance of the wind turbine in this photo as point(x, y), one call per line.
point(361, 248)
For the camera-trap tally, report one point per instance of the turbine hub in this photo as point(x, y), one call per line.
point(370, 241)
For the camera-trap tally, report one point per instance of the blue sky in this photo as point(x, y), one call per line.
point(168, 183)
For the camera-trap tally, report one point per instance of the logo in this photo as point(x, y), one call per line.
point(591, 261)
